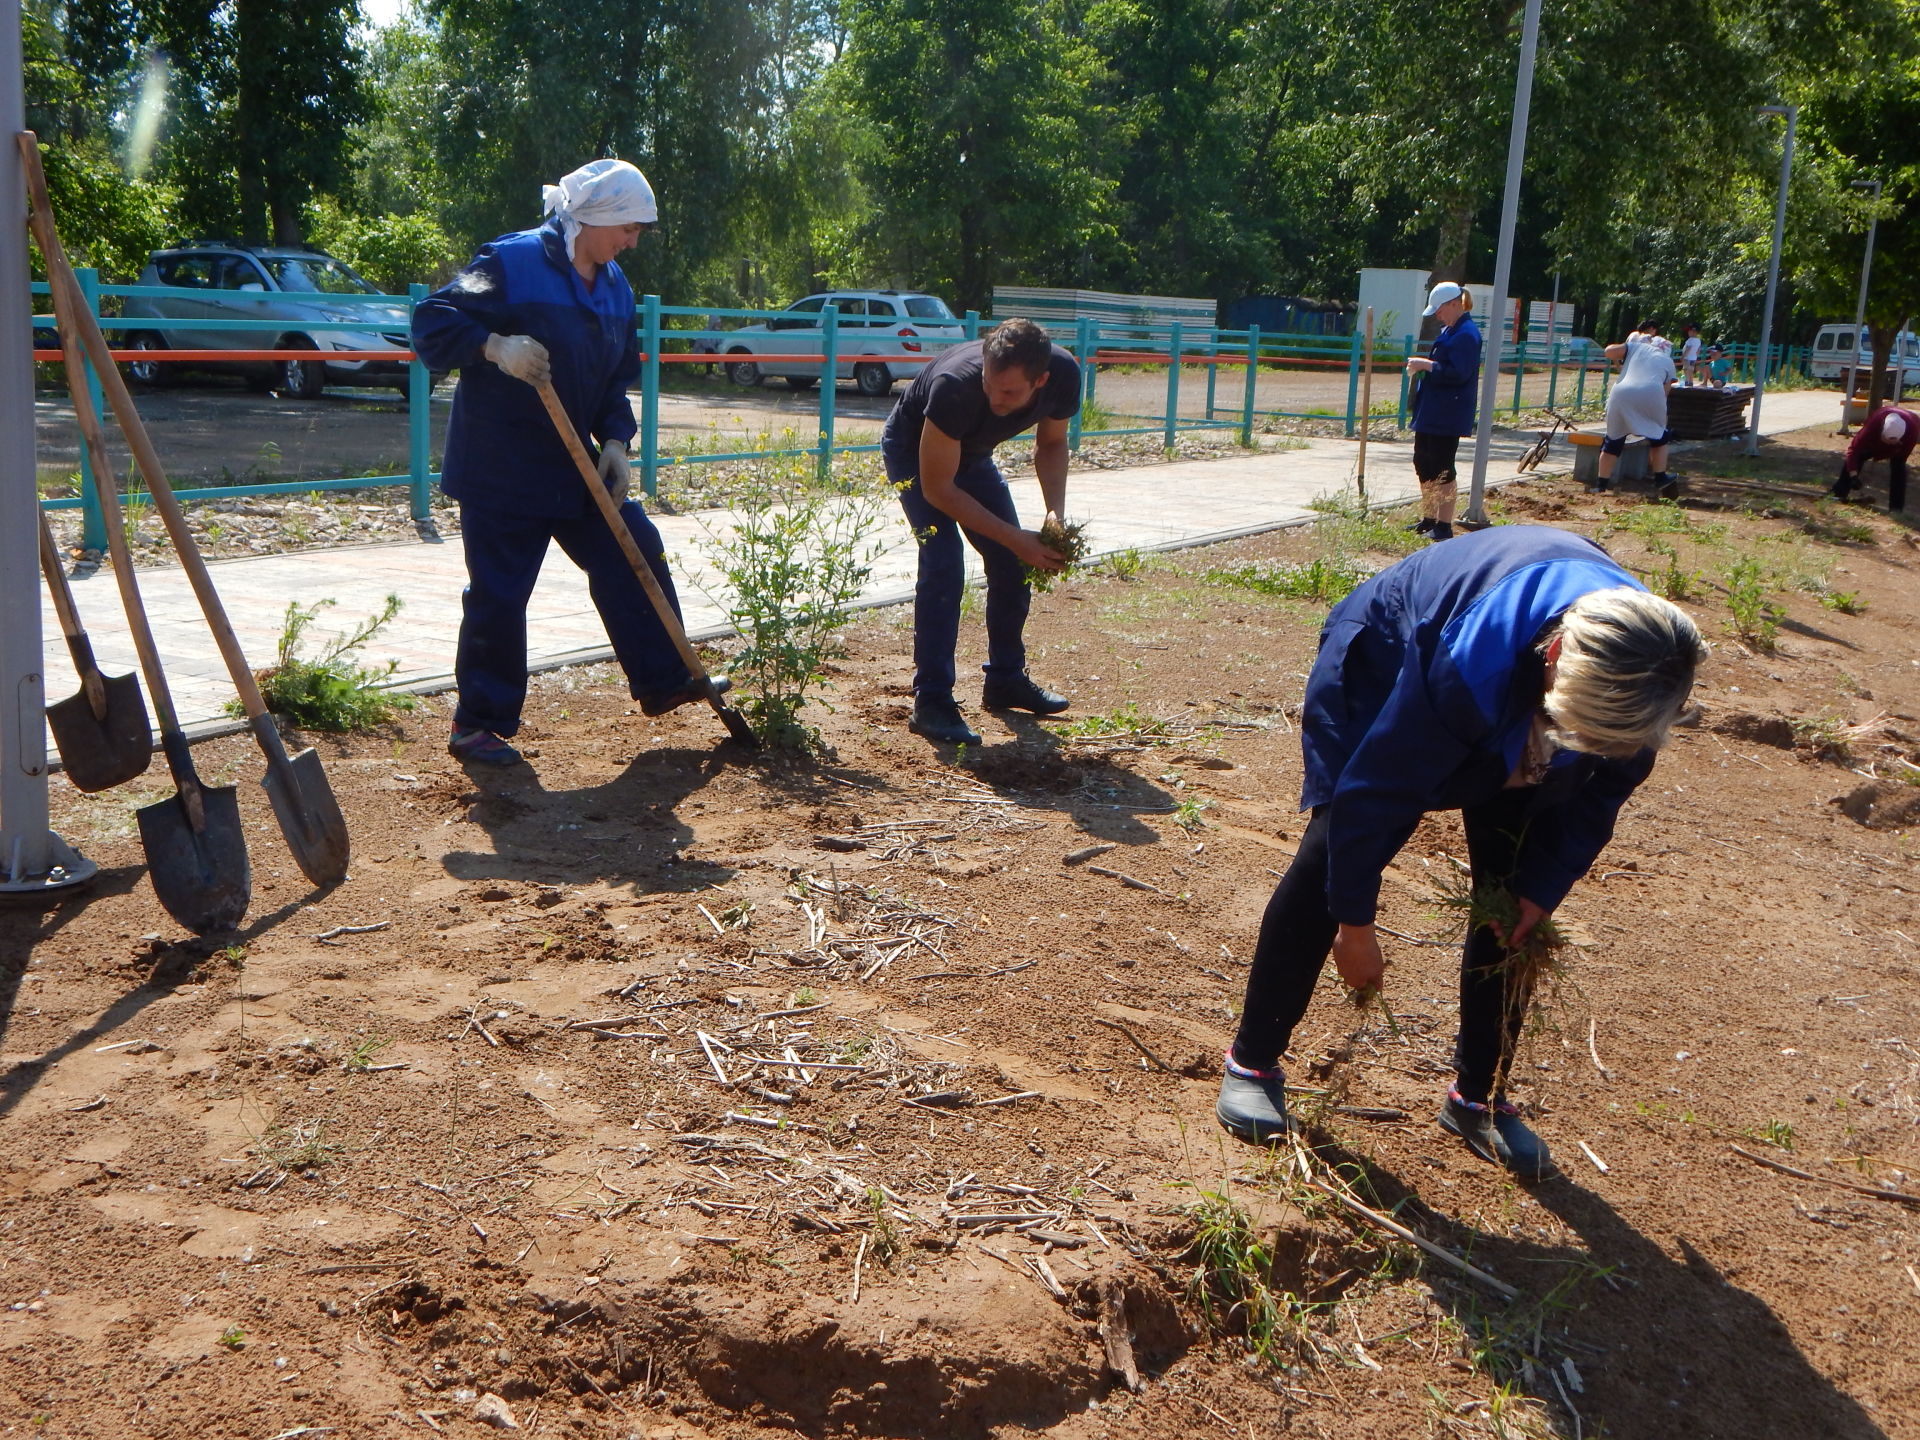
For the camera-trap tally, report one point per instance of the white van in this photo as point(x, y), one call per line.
point(1830, 357)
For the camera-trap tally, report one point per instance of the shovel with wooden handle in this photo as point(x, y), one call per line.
point(195, 845)
point(303, 800)
point(103, 734)
point(735, 722)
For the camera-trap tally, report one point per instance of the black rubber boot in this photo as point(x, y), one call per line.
point(1496, 1132)
point(1253, 1103)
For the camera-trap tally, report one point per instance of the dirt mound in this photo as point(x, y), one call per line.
point(1774, 730)
point(1882, 805)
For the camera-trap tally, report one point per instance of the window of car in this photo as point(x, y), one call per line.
point(1825, 341)
point(801, 315)
point(236, 272)
point(315, 274)
point(852, 308)
point(192, 272)
point(928, 307)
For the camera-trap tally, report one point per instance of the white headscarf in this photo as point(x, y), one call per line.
point(601, 192)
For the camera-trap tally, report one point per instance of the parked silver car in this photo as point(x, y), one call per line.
point(296, 289)
point(890, 334)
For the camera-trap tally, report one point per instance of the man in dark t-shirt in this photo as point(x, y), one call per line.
point(938, 448)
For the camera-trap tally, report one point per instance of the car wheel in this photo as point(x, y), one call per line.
point(302, 376)
point(151, 373)
point(742, 372)
point(872, 380)
point(803, 382)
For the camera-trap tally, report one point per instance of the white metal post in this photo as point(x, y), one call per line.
point(1764, 360)
point(1503, 266)
point(1860, 313)
point(32, 858)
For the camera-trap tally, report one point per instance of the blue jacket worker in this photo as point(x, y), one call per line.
point(546, 304)
point(938, 446)
point(1517, 675)
point(1443, 405)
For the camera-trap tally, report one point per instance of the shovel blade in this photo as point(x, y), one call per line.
point(202, 877)
point(99, 753)
point(735, 722)
point(309, 816)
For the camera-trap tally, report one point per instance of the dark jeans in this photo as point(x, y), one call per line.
point(1297, 933)
point(504, 551)
point(943, 578)
point(1896, 484)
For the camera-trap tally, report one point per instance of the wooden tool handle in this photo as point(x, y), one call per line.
point(78, 645)
point(61, 279)
point(610, 509)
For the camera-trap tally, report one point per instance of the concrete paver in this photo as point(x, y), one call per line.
point(1145, 507)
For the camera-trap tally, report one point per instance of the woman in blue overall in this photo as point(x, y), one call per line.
point(1517, 675)
point(1443, 406)
point(546, 304)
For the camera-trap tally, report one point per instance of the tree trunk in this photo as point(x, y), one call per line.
point(250, 115)
point(1883, 338)
point(1450, 255)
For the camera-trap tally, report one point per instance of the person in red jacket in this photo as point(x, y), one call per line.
point(1888, 435)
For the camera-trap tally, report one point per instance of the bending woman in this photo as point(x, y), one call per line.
point(1517, 675)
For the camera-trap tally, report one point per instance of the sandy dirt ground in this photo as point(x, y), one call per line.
point(655, 1089)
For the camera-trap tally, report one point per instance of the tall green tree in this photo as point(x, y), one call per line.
point(981, 116)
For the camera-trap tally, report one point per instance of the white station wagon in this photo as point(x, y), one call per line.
point(889, 334)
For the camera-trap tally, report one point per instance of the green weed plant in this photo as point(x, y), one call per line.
point(329, 691)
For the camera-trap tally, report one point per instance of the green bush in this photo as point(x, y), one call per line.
point(1323, 579)
point(329, 691)
point(391, 251)
point(792, 563)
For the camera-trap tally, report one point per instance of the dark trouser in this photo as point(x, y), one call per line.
point(1297, 935)
point(943, 578)
point(1896, 484)
point(1433, 461)
point(504, 552)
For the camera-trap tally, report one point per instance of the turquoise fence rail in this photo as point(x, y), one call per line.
point(1320, 374)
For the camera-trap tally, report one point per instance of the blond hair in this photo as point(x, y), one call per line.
point(1624, 674)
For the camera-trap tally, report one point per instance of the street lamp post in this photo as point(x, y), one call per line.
point(33, 860)
point(1860, 311)
point(1761, 364)
point(1503, 265)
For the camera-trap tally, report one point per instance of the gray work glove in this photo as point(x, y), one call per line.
point(521, 356)
point(615, 469)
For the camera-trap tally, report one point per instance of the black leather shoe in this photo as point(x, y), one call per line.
point(1253, 1104)
point(1017, 692)
point(1496, 1132)
point(661, 701)
point(938, 718)
point(1422, 525)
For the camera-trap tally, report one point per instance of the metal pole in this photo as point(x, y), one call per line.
point(1366, 408)
point(93, 524)
point(1080, 353)
point(829, 384)
point(1353, 379)
point(1503, 266)
point(419, 429)
point(1792, 112)
point(1860, 312)
point(33, 860)
point(1252, 384)
point(650, 396)
point(1173, 385)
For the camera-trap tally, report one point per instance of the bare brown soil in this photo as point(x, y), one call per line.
point(687, 1094)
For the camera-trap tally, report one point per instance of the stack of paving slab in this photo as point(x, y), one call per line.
point(1699, 412)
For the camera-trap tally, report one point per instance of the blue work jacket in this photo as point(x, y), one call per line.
point(502, 449)
point(1449, 391)
point(1423, 697)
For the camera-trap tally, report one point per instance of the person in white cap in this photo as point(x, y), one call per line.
point(1889, 435)
point(1444, 405)
point(546, 305)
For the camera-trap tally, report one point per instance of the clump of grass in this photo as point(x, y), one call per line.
point(1187, 814)
point(1754, 618)
point(1777, 1133)
point(1672, 581)
point(1828, 736)
point(1370, 997)
point(1233, 1277)
point(296, 1147)
point(1065, 538)
point(361, 1057)
point(1125, 564)
point(884, 1238)
point(329, 691)
point(1323, 579)
point(1847, 602)
point(1126, 723)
